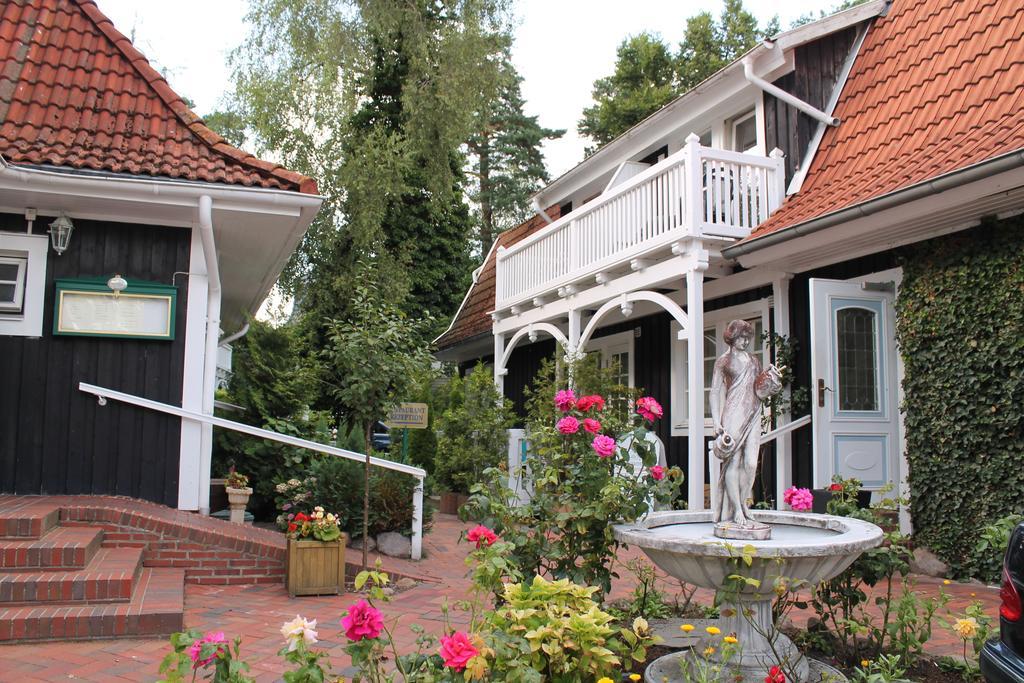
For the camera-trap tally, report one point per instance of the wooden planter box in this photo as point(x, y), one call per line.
point(315, 567)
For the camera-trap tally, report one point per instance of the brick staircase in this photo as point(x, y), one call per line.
point(64, 582)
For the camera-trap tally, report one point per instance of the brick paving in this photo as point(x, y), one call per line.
point(256, 612)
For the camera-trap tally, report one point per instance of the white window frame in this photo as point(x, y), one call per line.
point(735, 123)
point(717, 321)
point(28, 322)
point(610, 343)
point(19, 283)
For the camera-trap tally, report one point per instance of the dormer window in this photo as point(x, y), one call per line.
point(744, 132)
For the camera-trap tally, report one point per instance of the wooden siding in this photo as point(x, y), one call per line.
point(817, 68)
point(53, 438)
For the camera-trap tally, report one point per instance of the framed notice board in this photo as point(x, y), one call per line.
point(88, 308)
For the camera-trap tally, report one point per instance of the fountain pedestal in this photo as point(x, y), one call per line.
point(803, 547)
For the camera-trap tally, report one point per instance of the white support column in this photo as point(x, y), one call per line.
point(192, 379)
point(784, 444)
point(695, 375)
point(573, 350)
point(417, 520)
point(694, 187)
point(499, 369)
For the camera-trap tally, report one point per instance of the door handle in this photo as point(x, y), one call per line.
point(821, 392)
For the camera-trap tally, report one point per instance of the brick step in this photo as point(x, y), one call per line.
point(29, 518)
point(62, 548)
point(109, 577)
point(156, 609)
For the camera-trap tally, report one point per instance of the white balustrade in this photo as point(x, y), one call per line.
point(733, 194)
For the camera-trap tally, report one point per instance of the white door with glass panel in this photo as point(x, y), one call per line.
point(853, 383)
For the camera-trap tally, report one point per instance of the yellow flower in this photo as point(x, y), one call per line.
point(708, 651)
point(966, 628)
point(686, 628)
point(731, 640)
point(974, 595)
point(865, 663)
point(713, 630)
point(634, 677)
point(946, 582)
point(605, 680)
point(641, 627)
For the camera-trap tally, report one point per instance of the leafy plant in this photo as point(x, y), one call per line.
point(210, 654)
point(646, 601)
point(991, 546)
point(884, 669)
point(472, 432)
point(960, 328)
point(236, 480)
point(582, 481)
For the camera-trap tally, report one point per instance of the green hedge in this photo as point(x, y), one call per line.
point(960, 327)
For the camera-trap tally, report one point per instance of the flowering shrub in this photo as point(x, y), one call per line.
point(321, 525)
point(583, 481)
point(800, 500)
point(712, 657)
point(210, 654)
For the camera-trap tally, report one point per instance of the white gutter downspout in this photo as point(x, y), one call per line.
point(213, 291)
point(541, 212)
point(236, 336)
point(748, 73)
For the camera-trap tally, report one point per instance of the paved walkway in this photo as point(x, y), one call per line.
point(256, 612)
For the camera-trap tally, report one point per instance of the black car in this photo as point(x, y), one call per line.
point(1002, 660)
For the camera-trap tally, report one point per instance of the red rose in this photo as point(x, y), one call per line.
point(835, 487)
point(775, 675)
point(587, 402)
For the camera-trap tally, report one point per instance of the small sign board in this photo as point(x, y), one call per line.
point(408, 416)
point(87, 308)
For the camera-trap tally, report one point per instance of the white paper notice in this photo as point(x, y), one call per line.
point(129, 314)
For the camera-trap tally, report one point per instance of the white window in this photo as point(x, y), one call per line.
point(12, 283)
point(22, 283)
point(715, 322)
point(744, 132)
point(616, 350)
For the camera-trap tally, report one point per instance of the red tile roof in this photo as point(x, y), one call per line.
point(473, 318)
point(938, 86)
point(75, 92)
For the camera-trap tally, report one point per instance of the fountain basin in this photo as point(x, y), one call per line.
point(804, 546)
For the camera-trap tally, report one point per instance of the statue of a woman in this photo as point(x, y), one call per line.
point(738, 388)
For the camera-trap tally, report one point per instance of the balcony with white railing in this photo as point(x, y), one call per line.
point(698, 192)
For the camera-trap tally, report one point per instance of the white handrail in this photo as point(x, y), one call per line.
point(417, 497)
point(785, 429)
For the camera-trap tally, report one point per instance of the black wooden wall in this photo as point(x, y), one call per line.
point(817, 69)
point(56, 439)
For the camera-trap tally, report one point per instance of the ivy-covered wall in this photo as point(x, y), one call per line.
point(960, 327)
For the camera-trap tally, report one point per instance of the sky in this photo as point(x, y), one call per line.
point(561, 48)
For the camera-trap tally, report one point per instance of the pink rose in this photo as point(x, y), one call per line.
point(604, 446)
point(481, 535)
point(657, 473)
point(565, 400)
point(800, 500)
point(587, 402)
point(362, 621)
point(568, 425)
point(456, 650)
point(648, 408)
point(592, 425)
point(196, 648)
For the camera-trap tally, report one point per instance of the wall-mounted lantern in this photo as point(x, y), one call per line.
point(60, 233)
point(117, 284)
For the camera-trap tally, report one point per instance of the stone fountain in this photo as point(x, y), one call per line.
point(703, 547)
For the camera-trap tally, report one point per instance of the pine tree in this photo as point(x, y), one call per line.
point(507, 165)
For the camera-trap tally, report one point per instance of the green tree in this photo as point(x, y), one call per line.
point(375, 356)
point(811, 16)
point(228, 124)
point(648, 76)
point(507, 165)
point(643, 82)
point(302, 79)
